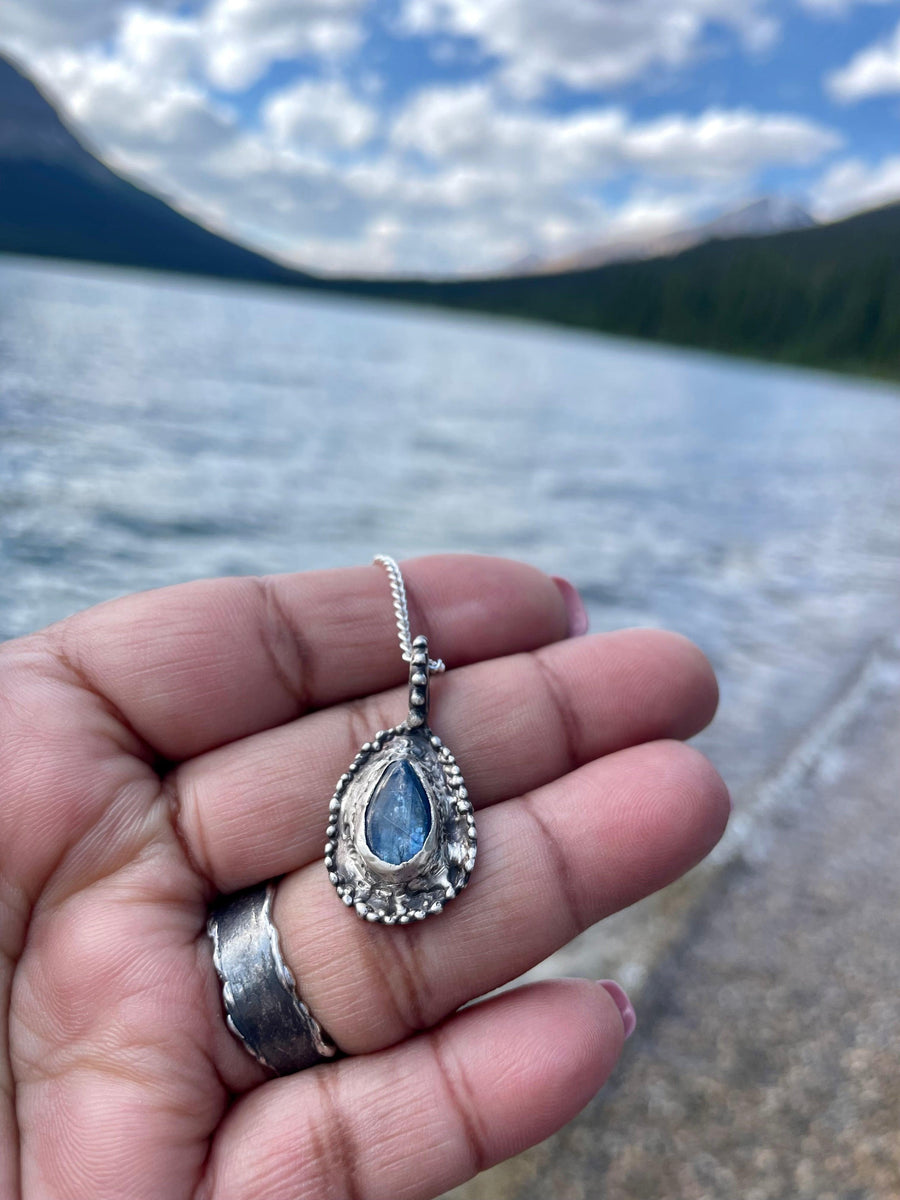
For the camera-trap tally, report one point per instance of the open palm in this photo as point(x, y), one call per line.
point(161, 749)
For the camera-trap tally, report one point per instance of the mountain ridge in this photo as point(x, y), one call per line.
point(758, 218)
point(824, 296)
point(59, 200)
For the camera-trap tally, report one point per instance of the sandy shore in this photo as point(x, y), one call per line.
point(765, 1062)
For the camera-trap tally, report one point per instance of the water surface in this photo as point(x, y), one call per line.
point(155, 430)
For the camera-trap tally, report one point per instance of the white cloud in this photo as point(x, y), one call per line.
point(322, 113)
point(465, 125)
point(158, 44)
point(460, 179)
point(243, 37)
point(874, 71)
point(852, 185)
point(724, 143)
point(391, 210)
point(588, 43)
point(239, 39)
point(47, 24)
point(141, 95)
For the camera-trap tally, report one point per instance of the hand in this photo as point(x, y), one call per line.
point(160, 749)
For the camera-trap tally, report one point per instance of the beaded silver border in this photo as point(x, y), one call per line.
point(400, 895)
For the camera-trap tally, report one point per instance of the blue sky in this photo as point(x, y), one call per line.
point(446, 136)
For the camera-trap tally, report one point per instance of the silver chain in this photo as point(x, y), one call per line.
point(401, 611)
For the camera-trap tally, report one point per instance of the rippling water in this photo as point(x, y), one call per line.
point(154, 431)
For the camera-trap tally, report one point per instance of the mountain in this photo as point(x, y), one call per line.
point(769, 214)
point(826, 295)
point(58, 199)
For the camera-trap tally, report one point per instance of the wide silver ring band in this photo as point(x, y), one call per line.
point(262, 1007)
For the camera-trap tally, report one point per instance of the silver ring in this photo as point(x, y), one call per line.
point(262, 1007)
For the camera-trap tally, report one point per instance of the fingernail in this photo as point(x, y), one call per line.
point(623, 1004)
point(575, 610)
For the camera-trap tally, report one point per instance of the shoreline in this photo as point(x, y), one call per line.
point(739, 922)
point(628, 945)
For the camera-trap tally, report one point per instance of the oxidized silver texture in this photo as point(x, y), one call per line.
point(380, 891)
point(261, 1003)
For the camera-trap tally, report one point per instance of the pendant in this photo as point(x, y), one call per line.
point(401, 831)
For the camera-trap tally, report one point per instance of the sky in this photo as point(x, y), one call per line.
point(465, 136)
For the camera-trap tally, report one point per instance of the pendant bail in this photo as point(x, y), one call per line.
point(419, 683)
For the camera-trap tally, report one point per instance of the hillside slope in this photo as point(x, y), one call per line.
point(827, 296)
point(57, 199)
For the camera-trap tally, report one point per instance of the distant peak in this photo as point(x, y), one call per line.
point(765, 215)
point(768, 214)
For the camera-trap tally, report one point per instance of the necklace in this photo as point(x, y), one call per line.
point(401, 831)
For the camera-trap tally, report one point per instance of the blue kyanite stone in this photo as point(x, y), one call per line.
point(398, 818)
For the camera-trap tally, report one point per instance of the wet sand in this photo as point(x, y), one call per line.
point(765, 1062)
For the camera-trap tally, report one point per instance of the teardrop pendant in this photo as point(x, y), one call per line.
point(401, 832)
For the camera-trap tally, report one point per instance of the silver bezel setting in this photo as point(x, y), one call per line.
point(421, 886)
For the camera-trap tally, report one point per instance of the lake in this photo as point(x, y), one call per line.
point(154, 430)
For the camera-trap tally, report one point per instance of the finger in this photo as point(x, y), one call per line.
point(415, 1120)
point(194, 666)
point(550, 864)
point(257, 808)
point(116, 1088)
